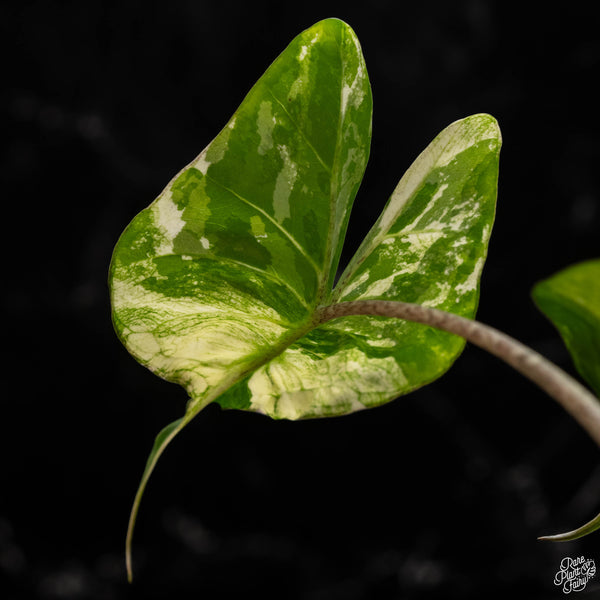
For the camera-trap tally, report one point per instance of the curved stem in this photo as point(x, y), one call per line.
point(161, 442)
point(577, 400)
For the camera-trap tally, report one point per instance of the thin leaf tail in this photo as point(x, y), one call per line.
point(589, 527)
point(160, 443)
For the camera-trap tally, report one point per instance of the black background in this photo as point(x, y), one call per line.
point(439, 494)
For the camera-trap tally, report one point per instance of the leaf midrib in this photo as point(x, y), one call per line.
point(322, 291)
point(277, 349)
point(272, 275)
point(299, 129)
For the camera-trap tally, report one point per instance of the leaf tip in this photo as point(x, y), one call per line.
point(569, 536)
point(551, 538)
point(580, 532)
point(487, 125)
point(334, 25)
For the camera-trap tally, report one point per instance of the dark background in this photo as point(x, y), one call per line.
point(440, 494)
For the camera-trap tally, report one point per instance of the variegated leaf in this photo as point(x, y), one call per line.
point(226, 267)
point(217, 284)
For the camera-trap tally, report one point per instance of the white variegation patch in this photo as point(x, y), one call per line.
point(381, 286)
point(453, 140)
point(444, 289)
point(355, 92)
point(356, 282)
point(466, 133)
point(265, 124)
point(470, 284)
point(423, 216)
point(457, 222)
point(284, 184)
point(201, 163)
point(193, 336)
point(142, 344)
point(421, 241)
point(168, 220)
point(296, 88)
point(485, 234)
point(381, 343)
point(296, 385)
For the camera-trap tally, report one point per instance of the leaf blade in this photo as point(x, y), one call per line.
point(236, 253)
point(570, 299)
point(411, 210)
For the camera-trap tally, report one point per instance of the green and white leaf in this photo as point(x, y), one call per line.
point(571, 300)
point(217, 284)
point(427, 247)
point(227, 266)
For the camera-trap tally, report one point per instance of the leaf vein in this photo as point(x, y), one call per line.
point(300, 130)
point(272, 219)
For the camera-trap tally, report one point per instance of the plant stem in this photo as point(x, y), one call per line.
point(577, 400)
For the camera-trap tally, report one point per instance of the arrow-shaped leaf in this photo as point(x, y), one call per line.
point(218, 283)
point(226, 267)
